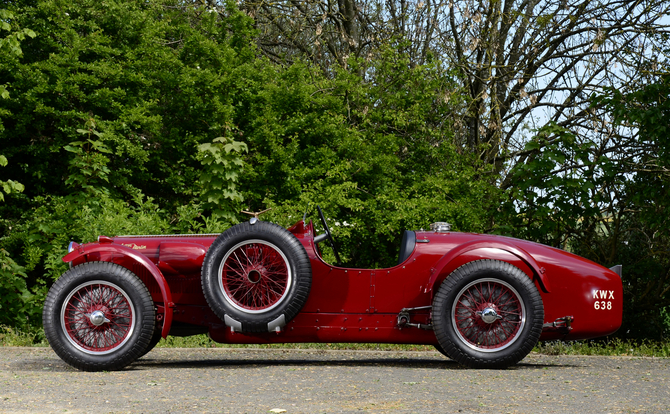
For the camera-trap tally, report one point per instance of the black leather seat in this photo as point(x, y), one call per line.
point(406, 245)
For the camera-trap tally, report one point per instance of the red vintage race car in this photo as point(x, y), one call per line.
point(482, 300)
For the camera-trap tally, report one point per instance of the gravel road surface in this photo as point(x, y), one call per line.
point(312, 381)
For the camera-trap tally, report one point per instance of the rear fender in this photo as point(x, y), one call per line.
point(442, 268)
point(108, 247)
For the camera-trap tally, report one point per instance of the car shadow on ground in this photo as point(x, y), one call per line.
point(399, 362)
point(206, 362)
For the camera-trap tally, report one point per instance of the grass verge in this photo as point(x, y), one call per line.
point(608, 347)
point(16, 337)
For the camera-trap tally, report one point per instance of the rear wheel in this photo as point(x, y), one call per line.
point(99, 316)
point(487, 314)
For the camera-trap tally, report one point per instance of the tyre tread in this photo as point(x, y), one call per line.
point(291, 247)
point(452, 284)
point(118, 275)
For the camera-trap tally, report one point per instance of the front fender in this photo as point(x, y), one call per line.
point(86, 249)
point(437, 275)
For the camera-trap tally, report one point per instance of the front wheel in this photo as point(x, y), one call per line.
point(488, 314)
point(99, 316)
point(155, 339)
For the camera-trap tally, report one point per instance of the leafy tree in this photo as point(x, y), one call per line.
point(16, 301)
point(609, 207)
point(374, 151)
point(9, 186)
point(523, 64)
point(109, 102)
point(222, 166)
point(11, 44)
point(17, 304)
point(641, 238)
point(555, 197)
point(147, 82)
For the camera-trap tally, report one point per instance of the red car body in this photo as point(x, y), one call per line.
point(580, 298)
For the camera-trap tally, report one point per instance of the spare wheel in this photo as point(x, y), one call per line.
point(256, 277)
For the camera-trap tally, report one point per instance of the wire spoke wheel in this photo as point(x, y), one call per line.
point(255, 276)
point(97, 317)
point(488, 315)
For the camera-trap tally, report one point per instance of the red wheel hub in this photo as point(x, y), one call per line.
point(488, 315)
point(255, 276)
point(97, 317)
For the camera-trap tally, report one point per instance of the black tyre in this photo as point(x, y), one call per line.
point(256, 277)
point(155, 339)
point(441, 350)
point(487, 314)
point(99, 316)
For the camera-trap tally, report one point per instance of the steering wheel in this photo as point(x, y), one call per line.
point(327, 235)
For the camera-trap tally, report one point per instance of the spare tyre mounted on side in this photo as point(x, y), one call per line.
point(256, 277)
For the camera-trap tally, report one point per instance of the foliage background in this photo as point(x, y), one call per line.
point(170, 116)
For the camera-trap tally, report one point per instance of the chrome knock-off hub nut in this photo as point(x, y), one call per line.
point(489, 315)
point(97, 318)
